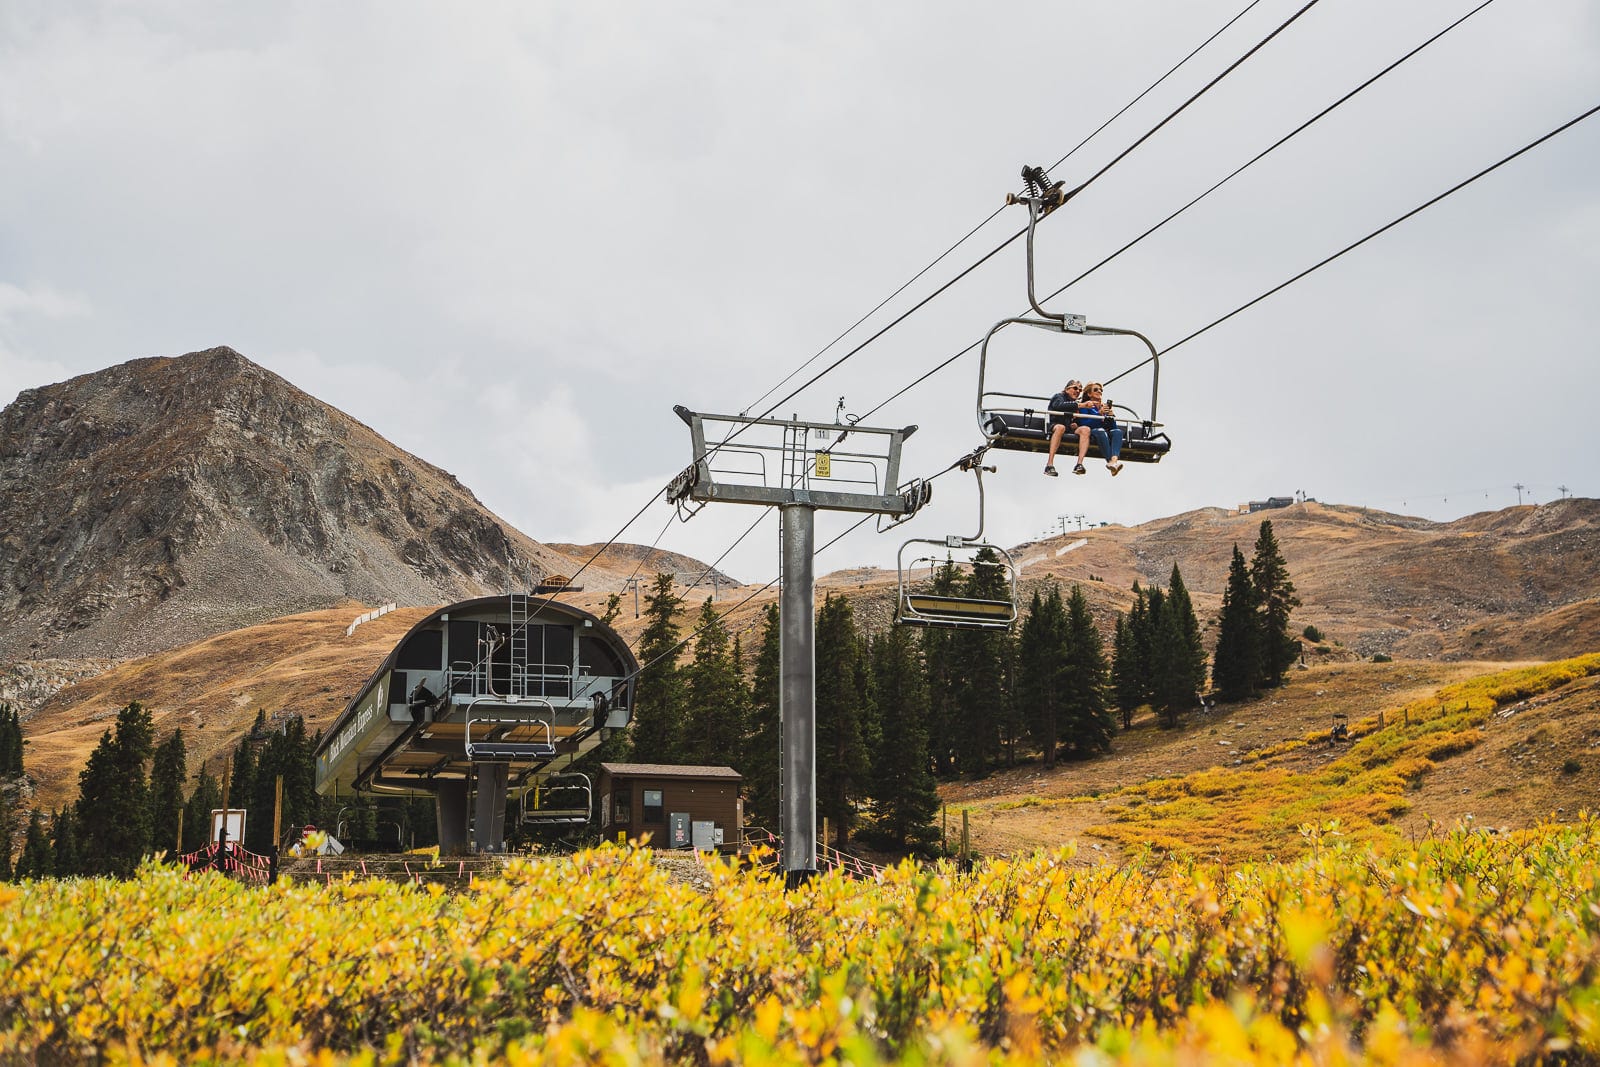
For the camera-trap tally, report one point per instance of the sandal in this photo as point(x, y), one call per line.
point(1050, 470)
point(1115, 467)
point(1079, 469)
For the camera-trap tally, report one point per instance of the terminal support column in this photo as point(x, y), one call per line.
point(797, 700)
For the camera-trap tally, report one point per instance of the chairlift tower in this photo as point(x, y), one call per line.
point(799, 468)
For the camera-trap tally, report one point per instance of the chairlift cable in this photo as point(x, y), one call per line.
point(649, 552)
point(1357, 244)
point(918, 306)
point(852, 327)
point(1279, 143)
point(1153, 85)
point(1181, 107)
point(1184, 340)
point(1125, 152)
point(1254, 160)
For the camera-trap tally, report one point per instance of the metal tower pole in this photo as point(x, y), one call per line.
point(797, 701)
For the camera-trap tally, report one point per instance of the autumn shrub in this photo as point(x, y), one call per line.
point(1464, 948)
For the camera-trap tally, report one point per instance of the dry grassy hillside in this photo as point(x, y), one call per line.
point(211, 689)
point(1538, 759)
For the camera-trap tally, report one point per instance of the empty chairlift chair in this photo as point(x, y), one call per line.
point(509, 735)
point(977, 591)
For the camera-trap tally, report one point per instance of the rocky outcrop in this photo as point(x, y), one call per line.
point(166, 499)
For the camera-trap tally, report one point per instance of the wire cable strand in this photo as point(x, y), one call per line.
point(1092, 178)
point(1279, 143)
point(994, 214)
point(1184, 106)
point(1155, 84)
point(1357, 244)
point(852, 327)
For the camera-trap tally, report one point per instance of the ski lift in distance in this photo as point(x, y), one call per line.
point(1021, 421)
point(920, 608)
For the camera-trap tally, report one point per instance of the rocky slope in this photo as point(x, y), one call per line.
point(645, 563)
point(167, 499)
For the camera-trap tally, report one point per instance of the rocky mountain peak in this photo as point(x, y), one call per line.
point(165, 499)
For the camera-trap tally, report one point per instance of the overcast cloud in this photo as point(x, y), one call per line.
point(511, 236)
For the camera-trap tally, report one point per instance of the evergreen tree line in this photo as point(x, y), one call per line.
point(135, 795)
point(896, 711)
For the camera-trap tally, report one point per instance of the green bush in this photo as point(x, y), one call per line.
point(1379, 657)
point(1311, 633)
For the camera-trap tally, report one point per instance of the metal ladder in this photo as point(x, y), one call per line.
point(796, 456)
point(518, 686)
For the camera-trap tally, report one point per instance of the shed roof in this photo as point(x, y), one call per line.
point(667, 770)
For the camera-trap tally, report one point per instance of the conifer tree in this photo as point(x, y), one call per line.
point(1171, 679)
point(203, 800)
point(660, 693)
point(7, 832)
point(938, 652)
point(1275, 599)
point(38, 859)
point(979, 659)
point(1127, 685)
point(1087, 725)
point(283, 752)
point(1009, 718)
point(718, 700)
point(866, 685)
point(843, 711)
point(167, 775)
point(903, 784)
point(1043, 679)
point(1141, 629)
point(302, 805)
point(113, 809)
point(16, 742)
point(1191, 651)
point(10, 743)
point(66, 857)
point(1236, 663)
point(759, 763)
point(244, 773)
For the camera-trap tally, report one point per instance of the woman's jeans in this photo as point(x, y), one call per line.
point(1110, 441)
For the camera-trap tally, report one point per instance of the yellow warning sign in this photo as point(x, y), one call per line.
point(824, 465)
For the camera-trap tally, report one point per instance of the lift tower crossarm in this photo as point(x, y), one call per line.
point(773, 462)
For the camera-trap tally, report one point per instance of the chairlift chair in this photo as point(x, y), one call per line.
point(915, 607)
point(918, 607)
point(1021, 421)
point(512, 735)
point(564, 799)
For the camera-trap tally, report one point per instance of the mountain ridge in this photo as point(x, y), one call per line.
point(169, 498)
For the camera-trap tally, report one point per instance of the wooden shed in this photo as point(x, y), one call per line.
point(667, 802)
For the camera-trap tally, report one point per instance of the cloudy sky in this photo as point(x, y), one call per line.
point(511, 236)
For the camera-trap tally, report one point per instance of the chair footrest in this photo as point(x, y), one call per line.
point(509, 750)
